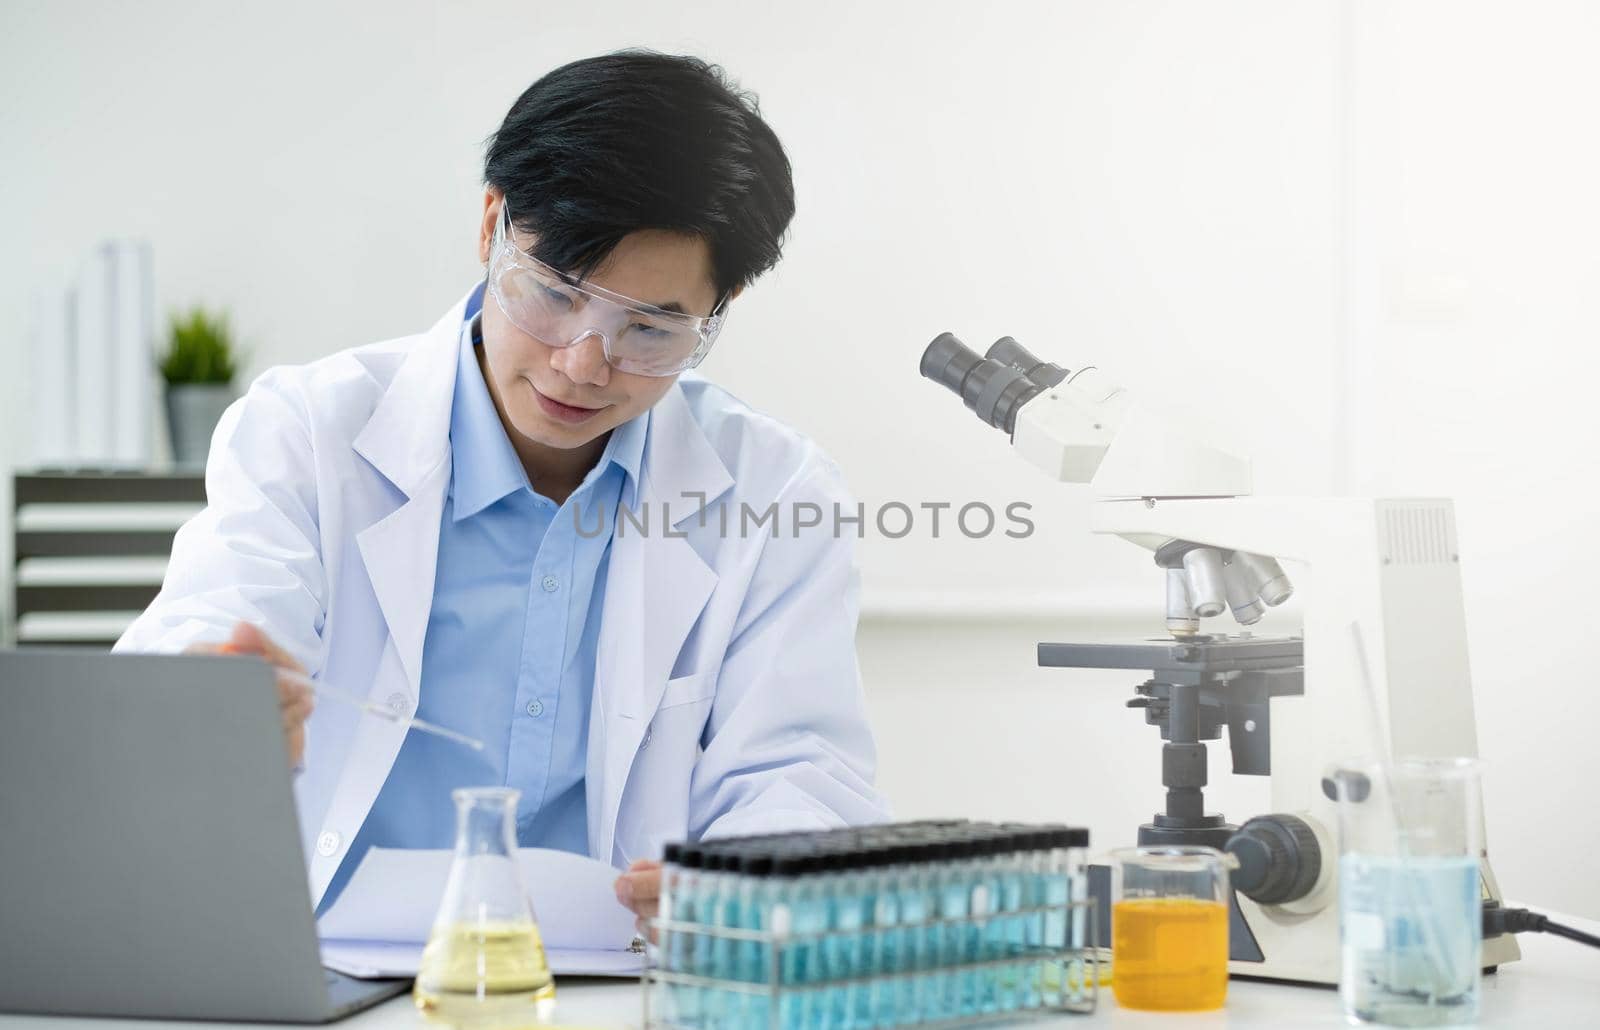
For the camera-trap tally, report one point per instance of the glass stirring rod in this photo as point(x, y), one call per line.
point(382, 711)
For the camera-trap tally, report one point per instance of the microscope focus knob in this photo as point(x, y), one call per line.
point(1279, 859)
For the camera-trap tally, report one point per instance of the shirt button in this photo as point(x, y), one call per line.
point(648, 733)
point(397, 703)
point(550, 584)
point(327, 843)
point(536, 708)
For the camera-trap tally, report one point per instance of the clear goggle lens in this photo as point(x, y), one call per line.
point(558, 312)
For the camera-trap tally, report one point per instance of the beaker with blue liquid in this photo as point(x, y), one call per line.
point(1410, 904)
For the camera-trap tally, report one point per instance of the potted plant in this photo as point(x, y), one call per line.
point(198, 366)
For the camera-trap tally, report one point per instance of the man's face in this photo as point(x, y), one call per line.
point(566, 397)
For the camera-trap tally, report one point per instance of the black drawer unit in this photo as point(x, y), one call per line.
point(90, 548)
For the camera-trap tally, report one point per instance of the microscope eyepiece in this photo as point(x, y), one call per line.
point(1008, 351)
point(947, 361)
point(993, 389)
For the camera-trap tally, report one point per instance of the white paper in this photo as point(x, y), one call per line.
point(381, 920)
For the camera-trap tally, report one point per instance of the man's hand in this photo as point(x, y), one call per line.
point(640, 890)
point(294, 697)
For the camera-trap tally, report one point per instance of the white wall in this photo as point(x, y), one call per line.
point(1091, 178)
point(1474, 353)
point(1351, 238)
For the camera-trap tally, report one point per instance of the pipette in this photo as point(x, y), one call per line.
point(382, 711)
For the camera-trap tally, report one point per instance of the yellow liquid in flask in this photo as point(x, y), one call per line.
point(485, 975)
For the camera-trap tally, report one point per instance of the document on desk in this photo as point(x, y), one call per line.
point(378, 926)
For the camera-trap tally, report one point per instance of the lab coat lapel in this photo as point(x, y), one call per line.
point(400, 553)
point(408, 440)
point(655, 590)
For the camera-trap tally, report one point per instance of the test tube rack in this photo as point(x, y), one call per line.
point(970, 970)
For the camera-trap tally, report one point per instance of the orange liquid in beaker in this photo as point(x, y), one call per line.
point(1169, 954)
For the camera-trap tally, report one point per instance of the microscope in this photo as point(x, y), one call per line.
point(1380, 665)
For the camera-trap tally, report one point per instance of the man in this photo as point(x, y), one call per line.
point(523, 526)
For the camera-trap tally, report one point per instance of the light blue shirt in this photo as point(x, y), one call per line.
point(509, 655)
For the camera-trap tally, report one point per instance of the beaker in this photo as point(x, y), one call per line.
point(484, 965)
point(1169, 928)
point(1410, 906)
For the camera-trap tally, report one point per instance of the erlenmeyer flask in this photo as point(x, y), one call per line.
point(484, 965)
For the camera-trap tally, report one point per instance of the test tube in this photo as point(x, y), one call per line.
point(866, 952)
point(671, 873)
point(960, 939)
point(985, 887)
point(1054, 891)
point(814, 917)
point(1040, 864)
point(701, 945)
point(728, 914)
point(842, 946)
point(788, 872)
point(1076, 840)
point(888, 952)
point(724, 949)
point(1063, 883)
point(912, 898)
point(800, 909)
point(978, 988)
point(682, 906)
point(660, 951)
point(931, 988)
point(1008, 940)
point(755, 957)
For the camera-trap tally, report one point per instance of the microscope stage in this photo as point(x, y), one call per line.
point(1204, 655)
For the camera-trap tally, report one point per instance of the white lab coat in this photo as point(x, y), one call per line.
point(727, 698)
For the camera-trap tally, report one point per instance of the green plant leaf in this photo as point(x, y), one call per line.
point(200, 349)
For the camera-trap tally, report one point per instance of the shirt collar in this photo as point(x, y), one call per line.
point(625, 449)
point(485, 467)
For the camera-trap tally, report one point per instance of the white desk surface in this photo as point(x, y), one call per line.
point(1555, 985)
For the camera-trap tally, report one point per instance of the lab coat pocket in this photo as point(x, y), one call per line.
point(685, 690)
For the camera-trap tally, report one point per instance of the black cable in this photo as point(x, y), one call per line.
point(1497, 920)
point(1572, 935)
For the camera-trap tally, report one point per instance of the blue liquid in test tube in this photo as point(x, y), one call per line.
point(755, 957)
point(912, 896)
point(713, 881)
point(861, 947)
point(871, 926)
point(1008, 942)
point(889, 947)
point(1057, 892)
point(960, 986)
point(683, 906)
point(936, 954)
point(989, 924)
point(728, 1009)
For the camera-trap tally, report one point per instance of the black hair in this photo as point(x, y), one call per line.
point(610, 145)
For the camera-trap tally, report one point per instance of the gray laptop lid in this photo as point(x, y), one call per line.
point(150, 857)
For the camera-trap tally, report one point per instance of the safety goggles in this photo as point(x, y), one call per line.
point(557, 311)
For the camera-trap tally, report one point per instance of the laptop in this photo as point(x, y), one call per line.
point(150, 857)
